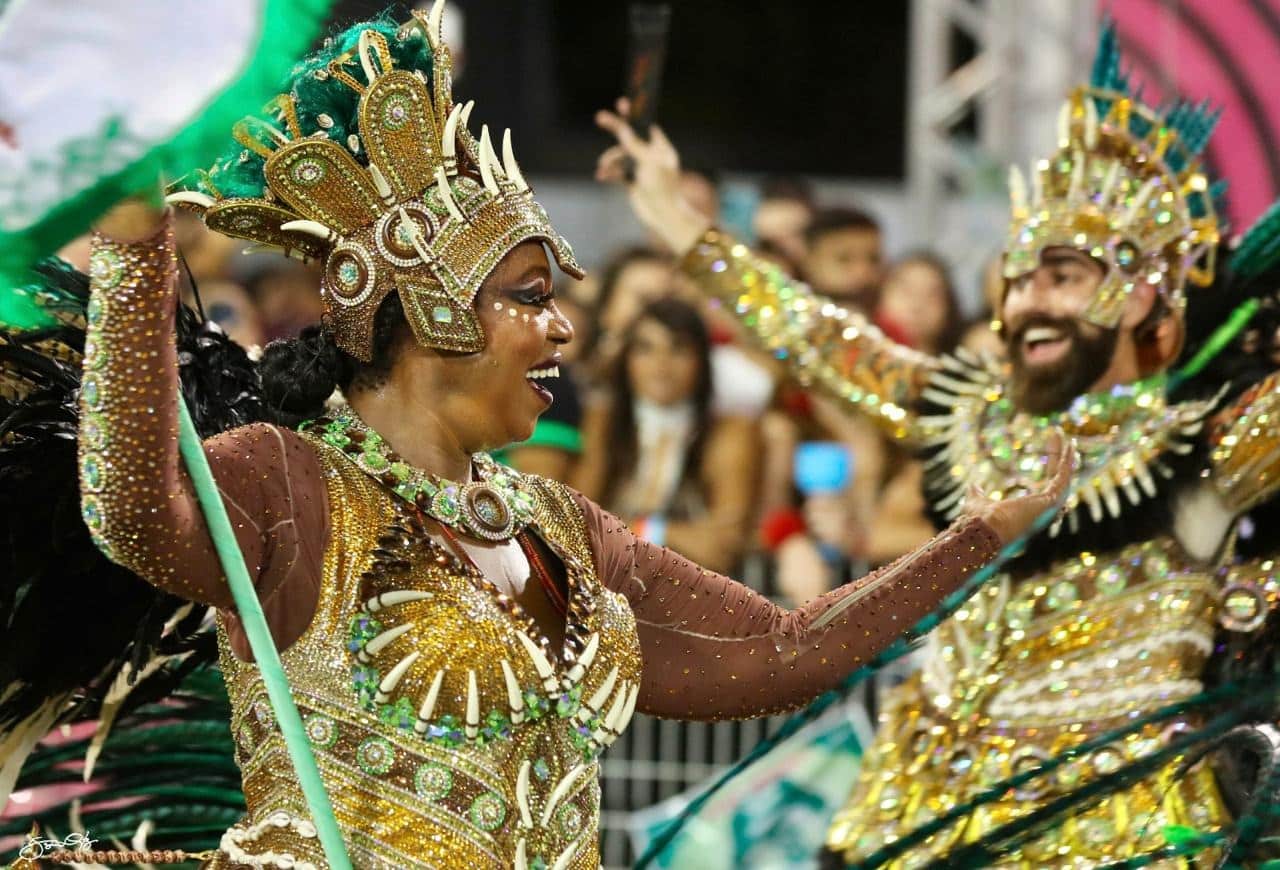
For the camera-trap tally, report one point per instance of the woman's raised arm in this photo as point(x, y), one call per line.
point(137, 498)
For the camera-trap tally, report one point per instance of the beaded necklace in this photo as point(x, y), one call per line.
point(495, 507)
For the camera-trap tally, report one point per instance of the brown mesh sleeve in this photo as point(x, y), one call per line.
point(137, 499)
point(714, 649)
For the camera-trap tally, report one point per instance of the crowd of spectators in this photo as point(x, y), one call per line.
point(667, 415)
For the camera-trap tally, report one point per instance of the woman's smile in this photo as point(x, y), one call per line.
point(545, 370)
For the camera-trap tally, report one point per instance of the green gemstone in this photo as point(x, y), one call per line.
point(1111, 580)
point(566, 706)
point(93, 314)
point(321, 731)
point(91, 431)
point(348, 273)
point(433, 781)
point(445, 507)
point(1157, 566)
point(541, 770)
point(91, 472)
point(92, 513)
point(90, 391)
point(376, 461)
point(488, 811)
point(1062, 594)
point(442, 314)
point(106, 268)
point(375, 755)
point(400, 471)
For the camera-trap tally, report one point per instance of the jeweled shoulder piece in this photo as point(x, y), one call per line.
point(411, 202)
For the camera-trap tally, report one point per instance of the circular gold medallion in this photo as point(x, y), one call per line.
point(487, 512)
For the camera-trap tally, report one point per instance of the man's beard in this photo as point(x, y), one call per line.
point(1043, 389)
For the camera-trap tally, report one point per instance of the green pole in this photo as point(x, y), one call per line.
point(260, 641)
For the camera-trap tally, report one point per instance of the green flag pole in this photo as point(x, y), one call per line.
point(260, 641)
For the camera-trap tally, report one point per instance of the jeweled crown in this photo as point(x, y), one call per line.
point(413, 203)
point(1125, 185)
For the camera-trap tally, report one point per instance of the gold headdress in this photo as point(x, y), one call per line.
point(429, 213)
point(1125, 187)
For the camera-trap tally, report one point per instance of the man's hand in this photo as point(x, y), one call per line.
point(654, 185)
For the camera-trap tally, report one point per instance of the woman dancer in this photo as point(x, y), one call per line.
point(462, 640)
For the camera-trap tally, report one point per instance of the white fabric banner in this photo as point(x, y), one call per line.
point(89, 86)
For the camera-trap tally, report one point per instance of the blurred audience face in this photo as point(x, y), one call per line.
point(231, 307)
point(701, 193)
point(846, 264)
point(637, 284)
point(917, 299)
point(663, 367)
point(288, 299)
point(580, 317)
point(1055, 354)
point(782, 223)
point(208, 254)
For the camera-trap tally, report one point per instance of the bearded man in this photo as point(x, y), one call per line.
point(1109, 618)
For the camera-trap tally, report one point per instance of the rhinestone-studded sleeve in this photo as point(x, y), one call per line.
point(1245, 447)
point(825, 345)
point(715, 649)
point(136, 497)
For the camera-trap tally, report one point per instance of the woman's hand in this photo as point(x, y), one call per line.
point(654, 185)
point(132, 220)
point(1012, 516)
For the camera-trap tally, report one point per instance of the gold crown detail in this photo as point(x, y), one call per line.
point(429, 216)
point(1113, 193)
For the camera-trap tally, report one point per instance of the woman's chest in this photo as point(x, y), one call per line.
point(437, 645)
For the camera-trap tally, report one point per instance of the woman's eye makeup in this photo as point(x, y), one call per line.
point(534, 294)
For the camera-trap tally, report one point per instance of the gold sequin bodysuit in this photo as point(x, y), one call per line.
point(1043, 660)
point(438, 791)
point(449, 731)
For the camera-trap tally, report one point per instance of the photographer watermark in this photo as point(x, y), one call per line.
point(78, 849)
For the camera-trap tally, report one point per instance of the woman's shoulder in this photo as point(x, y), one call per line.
point(261, 444)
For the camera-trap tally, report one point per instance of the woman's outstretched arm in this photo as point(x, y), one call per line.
point(714, 649)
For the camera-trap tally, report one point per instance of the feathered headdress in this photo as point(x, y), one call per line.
point(409, 201)
point(1125, 185)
